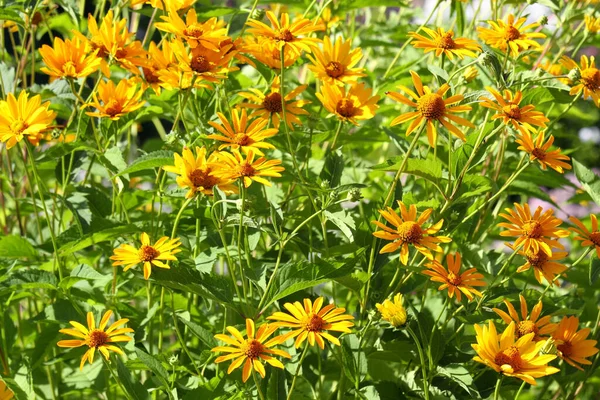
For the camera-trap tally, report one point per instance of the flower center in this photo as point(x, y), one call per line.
point(147, 253)
point(511, 33)
point(532, 229)
point(314, 323)
point(345, 108)
point(150, 76)
point(97, 338)
point(113, 107)
point(410, 232)
point(242, 139)
point(246, 169)
point(538, 259)
point(510, 357)
point(512, 111)
point(202, 178)
point(590, 77)
point(252, 348)
point(595, 238)
point(193, 30)
point(454, 279)
point(272, 103)
point(566, 349)
point(431, 106)
point(69, 68)
point(285, 36)
point(538, 153)
point(445, 41)
point(18, 126)
point(334, 69)
point(102, 50)
point(200, 64)
point(526, 327)
point(121, 54)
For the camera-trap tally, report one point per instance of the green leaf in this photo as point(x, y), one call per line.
point(81, 272)
point(430, 168)
point(460, 375)
point(343, 221)
point(95, 238)
point(133, 388)
point(439, 72)
point(14, 246)
point(148, 161)
point(588, 179)
point(332, 169)
point(8, 14)
point(31, 279)
point(115, 158)
point(204, 335)
point(183, 277)
point(153, 364)
point(348, 361)
point(16, 389)
point(594, 270)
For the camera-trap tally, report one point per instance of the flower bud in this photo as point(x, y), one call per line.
point(258, 14)
point(543, 21)
point(470, 74)
point(484, 58)
point(574, 74)
point(354, 194)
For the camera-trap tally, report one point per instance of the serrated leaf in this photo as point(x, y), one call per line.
point(343, 221)
point(588, 179)
point(134, 389)
point(31, 279)
point(151, 160)
point(115, 158)
point(153, 364)
point(98, 237)
point(14, 246)
point(204, 335)
point(332, 169)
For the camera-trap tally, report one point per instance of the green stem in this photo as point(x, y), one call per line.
point(179, 337)
point(497, 389)
point(240, 232)
point(115, 377)
point(555, 120)
point(178, 217)
point(520, 390)
point(337, 133)
point(289, 396)
point(257, 383)
point(422, 359)
point(575, 263)
point(161, 319)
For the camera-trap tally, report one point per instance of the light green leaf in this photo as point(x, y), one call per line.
point(343, 221)
point(204, 335)
point(14, 246)
point(95, 238)
point(588, 179)
point(148, 161)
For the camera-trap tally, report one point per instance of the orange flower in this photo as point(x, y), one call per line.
point(242, 135)
point(511, 35)
point(115, 101)
point(335, 64)
point(207, 34)
point(538, 150)
point(24, 117)
point(69, 59)
point(589, 83)
point(573, 346)
point(543, 265)
point(453, 280)
point(158, 60)
point(354, 105)
point(442, 42)
point(507, 108)
point(248, 169)
point(587, 238)
point(528, 323)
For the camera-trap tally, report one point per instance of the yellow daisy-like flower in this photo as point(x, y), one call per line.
point(354, 105)
point(148, 254)
point(235, 166)
point(532, 323)
point(5, 392)
point(552, 69)
point(241, 134)
point(197, 172)
point(69, 59)
point(393, 311)
point(519, 358)
point(508, 109)
point(544, 266)
point(587, 237)
point(251, 350)
point(207, 34)
point(431, 107)
point(286, 33)
point(470, 74)
point(96, 338)
point(442, 42)
point(453, 280)
point(312, 321)
point(535, 232)
point(573, 346)
point(589, 83)
point(409, 230)
point(335, 64)
point(24, 117)
point(270, 105)
point(113, 102)
point(592, 24)
point(328, 20)
point(158, 60)
point(170, 4)
point(538, 150)
point(511, 34)
point(269, 54)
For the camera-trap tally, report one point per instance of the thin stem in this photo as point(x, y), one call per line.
point(497, 389)
point(161, 319)
point(178, 217)
point(422, 359)
point(335, 137)
point(116, 378)
point(240, 232)
point(257, 383)
point(520, 390)
point(289, 396)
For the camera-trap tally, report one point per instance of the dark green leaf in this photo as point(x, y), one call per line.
point(204, 335)
point(133, 387)
point(153, 364)
point(151, 160)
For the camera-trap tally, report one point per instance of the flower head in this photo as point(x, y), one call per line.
point(508, 109)
point(431, 107)
point(207, 34)
point(587, 237)
point(148, 254)
point(443, 42)
point(510, 356)
point(243, 134)
point(252, 349)
point(572, 345)
point(470, 73)
point(534, 232)
point(24, 118)
point(538, 150)
point(409, 230)
point(269, 54)
point(99, 338)
point(592, 24)
point(115, 101)
point(589, 81)
point(196, 172)
point(312, 321)
point(511, 35)
point(335, 64)
point(527, 324)
point(69, 59)
point(356, 104)
point(544, 266)
point(235, 166)
point(393, 311)
point(453, 280)
point(159, 59)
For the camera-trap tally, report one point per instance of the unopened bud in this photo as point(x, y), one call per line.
point(174, 359)
point(325, 184)
point(543, 21)
point(258, 14)
point(484, 58)
point(539, 72)
point(470, 74)
point(574, 75)
point(354, 194)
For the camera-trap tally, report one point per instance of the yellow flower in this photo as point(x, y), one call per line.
point(335, 64)
point(269, 53)
point(393, 311)
point(573, 346)
point(158, 60)
point(251, 350)
point(442, 42)
point(286, 34)
point(511, 34)
point(587, 238)
point(328, 20)
point(430, 108)
point(507, 108)
point(170, 4)
point(592, 24)
point(543, 265)
point(234, 166)
point(535, 232)
point(69, 59)
point(96, 338)
point(470, 73)
point(409, 230)
point(538, 150)
point(207, 34)
point(241, 135)
point(270, 105)
point(5, 392)
point(589, 83)
point(24, 117)
point(520, 359)
point(453, 280)
point(115, 101)
point(312, 321)
point(527, 324)
point(197, 173)
point(354, 105)
point(552, 69)
point(148, 254)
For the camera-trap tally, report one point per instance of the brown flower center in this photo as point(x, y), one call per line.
point(200, 64)
point(538, 259)
point(595, 238)
point(18, 126)
point(252, 348)
point(246, 169)
point(410, 232)
point(345, 108)
point(512, 111)
point(97, 338)
point(102, 50)
point(334, 69)
point(150, 76)
point(511, 33)
point(147, 253)
point(272, 103)
point(113, 107)
point(510, 357)
point(285, 36)
point(431, 106)
point(532, 229)
point(454, 279)
point(202, 178)
point(566, 349)
point(194, 31)
point(445, 42)
point(242, 139)
point(590, 77)
point(314, 323)
point(526, 327)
